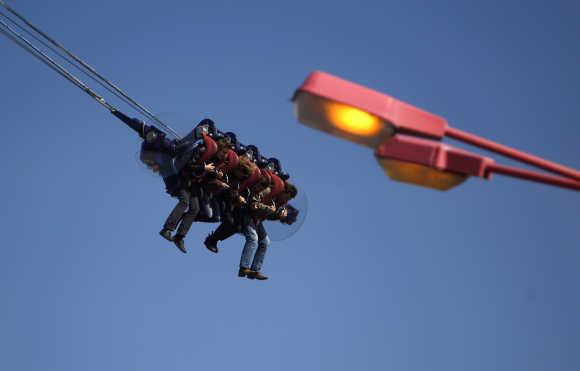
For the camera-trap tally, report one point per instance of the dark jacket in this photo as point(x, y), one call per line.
point(170, 155)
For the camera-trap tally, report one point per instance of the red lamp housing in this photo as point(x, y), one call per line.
point(429, 163)
point(320, 89)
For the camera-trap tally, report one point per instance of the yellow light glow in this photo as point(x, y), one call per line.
point(352, 120)
point(408, 172)
point(341, 120)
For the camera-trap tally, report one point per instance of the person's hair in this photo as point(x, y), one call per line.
point(291, 190)
point(223, 144)
point(262, 183)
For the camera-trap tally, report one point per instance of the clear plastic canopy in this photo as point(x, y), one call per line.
point(279, 231)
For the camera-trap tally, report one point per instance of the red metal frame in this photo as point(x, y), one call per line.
point(435, 155)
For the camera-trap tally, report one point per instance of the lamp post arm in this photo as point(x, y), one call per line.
point(512, 153)
point(534, 176)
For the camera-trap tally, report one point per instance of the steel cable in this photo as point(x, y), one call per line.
point(86, 68)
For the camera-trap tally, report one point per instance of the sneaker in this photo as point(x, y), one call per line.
point(178, 241)
point(256, 275)
point(166, 233)
point(243, 272)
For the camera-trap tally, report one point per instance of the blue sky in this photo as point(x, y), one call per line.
point(382, 276)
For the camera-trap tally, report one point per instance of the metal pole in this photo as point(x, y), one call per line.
point(512, 153)
point(534, 176)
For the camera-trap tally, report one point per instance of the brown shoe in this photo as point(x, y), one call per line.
point(243, 272)
point(256, 275)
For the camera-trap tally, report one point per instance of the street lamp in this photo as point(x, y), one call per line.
point(429, 163)
point(407, 139)
point(359, 114)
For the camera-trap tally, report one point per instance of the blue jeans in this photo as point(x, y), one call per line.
point(210, 210)
point(257, 242)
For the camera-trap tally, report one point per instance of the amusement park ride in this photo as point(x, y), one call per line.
point(407, 140)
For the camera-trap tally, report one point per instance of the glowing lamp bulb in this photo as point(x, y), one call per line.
point(341, 120)
point(353, 120)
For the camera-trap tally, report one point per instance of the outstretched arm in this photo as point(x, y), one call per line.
point(151, 134)
point(135, 124)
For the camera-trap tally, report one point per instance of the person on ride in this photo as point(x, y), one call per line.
point(188, 194)
point(285, 213)
point(215, 182)
point(252, 227)
point(225, 159)
point(159, 153)
point(260, 205)
point(240, 178)
point(168, 158)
